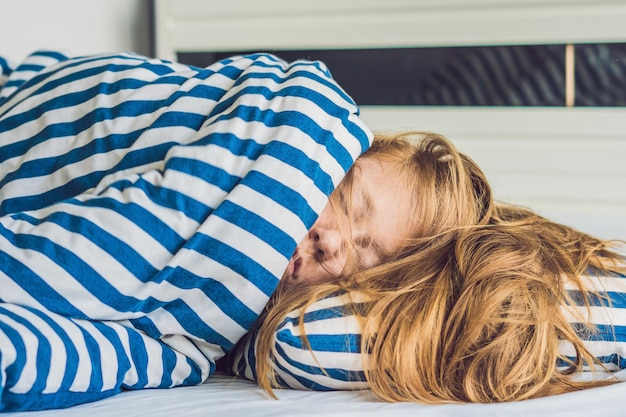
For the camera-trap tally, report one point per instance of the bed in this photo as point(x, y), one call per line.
point(500, 147)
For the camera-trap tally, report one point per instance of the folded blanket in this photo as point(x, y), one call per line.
point(148, 210)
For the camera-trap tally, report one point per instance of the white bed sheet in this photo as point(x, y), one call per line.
point(224, 395)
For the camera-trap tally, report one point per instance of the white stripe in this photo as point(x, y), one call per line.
point(276, 214)
point(600, 283)
point(595, 315)
point(341, 325)
point(597, 348)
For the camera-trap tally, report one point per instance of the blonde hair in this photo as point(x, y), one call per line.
point(468, 310)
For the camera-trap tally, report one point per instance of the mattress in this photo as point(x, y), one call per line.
point(226, 395)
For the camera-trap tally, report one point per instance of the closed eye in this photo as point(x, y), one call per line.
point(369, 251)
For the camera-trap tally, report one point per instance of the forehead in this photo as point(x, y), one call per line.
point(382, 187)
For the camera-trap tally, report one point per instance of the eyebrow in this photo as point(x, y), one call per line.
point(368, 201)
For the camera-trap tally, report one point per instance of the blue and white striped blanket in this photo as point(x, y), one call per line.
point(148, 210)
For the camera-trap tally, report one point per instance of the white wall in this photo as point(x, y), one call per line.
point(80, 26)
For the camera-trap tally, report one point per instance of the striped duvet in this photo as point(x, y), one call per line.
point(148, 210)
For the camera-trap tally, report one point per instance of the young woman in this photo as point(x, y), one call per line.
point(478, 302)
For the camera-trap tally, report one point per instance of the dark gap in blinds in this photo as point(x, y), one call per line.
point(521, 75)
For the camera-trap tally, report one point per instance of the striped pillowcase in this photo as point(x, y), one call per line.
point(334, 360)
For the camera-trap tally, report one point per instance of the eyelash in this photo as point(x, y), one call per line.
point(343, 203)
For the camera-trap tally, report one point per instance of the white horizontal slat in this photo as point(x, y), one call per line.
point(547, 155)
point(209, 26)
point(485, 122)
point(560, 188)
point(200, 9)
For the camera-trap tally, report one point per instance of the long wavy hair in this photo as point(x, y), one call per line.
point(470, 308)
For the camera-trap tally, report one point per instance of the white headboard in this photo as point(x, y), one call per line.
point(567, 163)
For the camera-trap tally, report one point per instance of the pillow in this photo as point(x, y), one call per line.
point(334, 360)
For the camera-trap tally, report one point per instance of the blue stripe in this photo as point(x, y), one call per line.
point(138, 357)
point(23, 276)
point(340, 311)
point(282, 195)
point(118, 249)
point(5, 68)
point(301, 161)
point(93, 349)
point(239, 262)
point(614, 359)
point(341, 343)
point(602, 299)
point(236, 145)
point(195, 376)
point(274, 236)
point(601, 332)
point(75, 267)
point(140, 216)
point(207, 172)
point(216, 291)
point(297, 120)
point(147, 326)
point(192, 323)
point(27, 67)
point(164, 197)
point(250, 356)
point(122, 362)
point(14, 370)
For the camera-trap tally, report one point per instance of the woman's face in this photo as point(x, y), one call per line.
point(378, 220)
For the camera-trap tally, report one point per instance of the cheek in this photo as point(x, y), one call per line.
point(313, 271)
